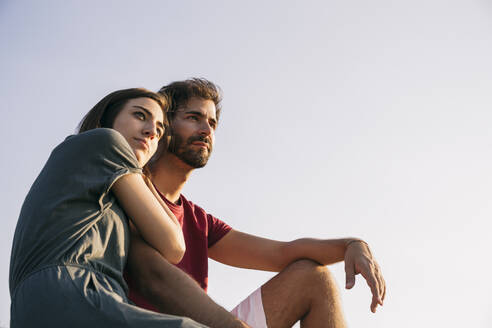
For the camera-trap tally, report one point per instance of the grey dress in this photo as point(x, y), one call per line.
point(71, 242)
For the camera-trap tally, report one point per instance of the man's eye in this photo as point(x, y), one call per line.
point(193, 118)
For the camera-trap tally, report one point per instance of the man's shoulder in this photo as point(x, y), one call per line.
point(187, 202)
point(216, 227)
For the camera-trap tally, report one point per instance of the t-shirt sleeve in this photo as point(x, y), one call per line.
point(216, 229)
point(105, 154)
point(67, 199)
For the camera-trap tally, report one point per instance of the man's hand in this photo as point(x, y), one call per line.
point(358, 259)
point(247, 251)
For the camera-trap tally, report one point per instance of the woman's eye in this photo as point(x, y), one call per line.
point(140, 115)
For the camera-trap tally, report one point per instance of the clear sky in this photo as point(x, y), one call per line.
point(341, 118)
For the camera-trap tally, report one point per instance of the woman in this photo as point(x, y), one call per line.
point(72, 237)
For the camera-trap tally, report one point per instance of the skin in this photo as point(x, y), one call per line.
point(140, 122)
point(173, 291)
point(170, 289)
point(303, 290)
point(196, 124)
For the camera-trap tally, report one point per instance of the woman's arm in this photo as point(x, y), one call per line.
point(152, 218)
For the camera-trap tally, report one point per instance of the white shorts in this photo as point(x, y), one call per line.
point(250, 310)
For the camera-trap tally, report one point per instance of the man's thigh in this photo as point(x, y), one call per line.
point(250, 310)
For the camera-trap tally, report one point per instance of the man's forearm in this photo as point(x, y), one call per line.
point(172, 291)
point(248, 251)
point(323, 251)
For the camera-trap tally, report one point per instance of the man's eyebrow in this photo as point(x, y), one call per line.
point(195, 112)
point(161, 125)
point(191, 111)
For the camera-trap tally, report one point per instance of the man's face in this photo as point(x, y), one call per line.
point(193, 132)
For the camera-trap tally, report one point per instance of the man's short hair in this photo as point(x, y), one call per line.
point(180, 92)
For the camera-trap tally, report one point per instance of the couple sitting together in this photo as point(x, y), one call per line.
point(106, 239)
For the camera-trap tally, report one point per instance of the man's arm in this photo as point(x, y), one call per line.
point(171, 290)
point(247, 251)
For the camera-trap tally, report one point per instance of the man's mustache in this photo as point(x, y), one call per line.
point(200, 139)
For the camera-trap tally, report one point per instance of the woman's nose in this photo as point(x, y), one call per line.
point(150, 129)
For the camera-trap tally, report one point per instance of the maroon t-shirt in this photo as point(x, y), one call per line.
point(201, 231)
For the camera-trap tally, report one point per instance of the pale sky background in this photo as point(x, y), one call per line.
point(341, 118)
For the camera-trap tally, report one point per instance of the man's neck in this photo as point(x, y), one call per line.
point(169, 175)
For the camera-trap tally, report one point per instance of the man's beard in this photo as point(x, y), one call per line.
point(183, 150)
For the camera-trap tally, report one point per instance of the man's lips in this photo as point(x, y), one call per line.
point(200, 144)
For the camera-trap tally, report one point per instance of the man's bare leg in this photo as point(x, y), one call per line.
point(304, 291)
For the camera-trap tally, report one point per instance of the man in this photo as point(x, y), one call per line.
point(303, 290)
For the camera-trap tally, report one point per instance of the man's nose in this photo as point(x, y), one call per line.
point(205, 129)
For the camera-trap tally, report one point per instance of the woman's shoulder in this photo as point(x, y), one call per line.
point(100, 134)
point(99, 139)
point(100, 142)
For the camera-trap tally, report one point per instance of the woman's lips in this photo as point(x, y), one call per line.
point(142, 143)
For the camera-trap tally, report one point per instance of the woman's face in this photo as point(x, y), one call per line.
point(140, 121)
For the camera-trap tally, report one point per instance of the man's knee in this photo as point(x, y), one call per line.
point(303, 287)
point(310, 273)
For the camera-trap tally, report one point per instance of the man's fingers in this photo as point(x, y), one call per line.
point(381, 284)
point(374, 305)
point(384, 291)
point(374, 286)
point(349, 275)
point(360, 260)
point(375, 293)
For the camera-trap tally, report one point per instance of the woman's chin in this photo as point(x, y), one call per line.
point(142, 158)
